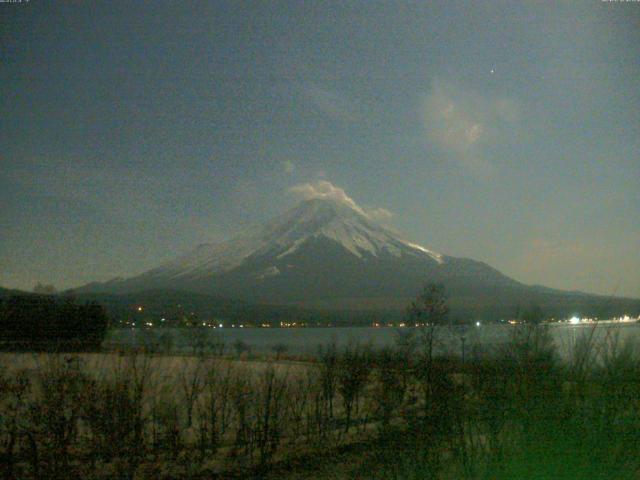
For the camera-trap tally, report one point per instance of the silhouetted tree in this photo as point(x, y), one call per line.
point(430, 311)
point(352, 374)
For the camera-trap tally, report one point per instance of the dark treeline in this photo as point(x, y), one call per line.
point(180, 308)
point(184, 308)
point(39, 321)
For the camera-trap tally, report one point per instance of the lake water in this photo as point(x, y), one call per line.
point(307, 341)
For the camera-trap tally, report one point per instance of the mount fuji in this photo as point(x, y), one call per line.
point(328, 254)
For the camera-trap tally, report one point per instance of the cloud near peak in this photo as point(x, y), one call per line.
point(326, 190)
point(463, 121)
point(380, 214)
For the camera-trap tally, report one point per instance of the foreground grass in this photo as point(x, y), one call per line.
point(401, 413)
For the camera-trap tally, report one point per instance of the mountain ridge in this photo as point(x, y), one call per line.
point(326, 252)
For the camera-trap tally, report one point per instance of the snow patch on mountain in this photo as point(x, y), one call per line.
point(279, 238)
point(267, 272)
point(209, 258)
point(436, 256)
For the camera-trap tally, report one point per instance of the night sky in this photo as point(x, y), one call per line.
point(507, 132)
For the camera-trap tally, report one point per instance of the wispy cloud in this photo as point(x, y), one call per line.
point(331, 103)
point(326, 190)
point(463, 121)
point(379, 214)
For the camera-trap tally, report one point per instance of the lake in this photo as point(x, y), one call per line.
point(307, 341)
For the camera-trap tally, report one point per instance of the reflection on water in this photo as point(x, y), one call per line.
point(306, 341)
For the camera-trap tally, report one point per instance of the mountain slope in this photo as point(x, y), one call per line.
point(313, 219)
point(324, 253)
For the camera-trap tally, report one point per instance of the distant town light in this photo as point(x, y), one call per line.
point(477, 324)
point(220, 325)
point(139, 309)
point(574, 320)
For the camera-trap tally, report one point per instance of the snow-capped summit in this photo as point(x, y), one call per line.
point(281, 237)
point(341, 223)
point(321, 250)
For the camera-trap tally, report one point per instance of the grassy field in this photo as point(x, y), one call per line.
point(353, 413)
point(164, 368)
